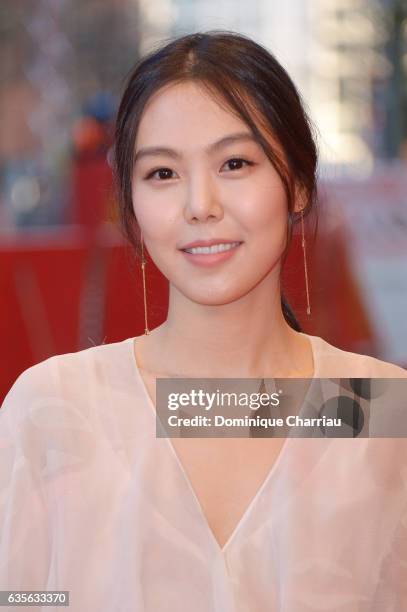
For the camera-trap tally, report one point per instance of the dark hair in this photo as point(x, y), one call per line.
point(247, 78)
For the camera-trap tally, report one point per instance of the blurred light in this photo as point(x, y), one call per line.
point(87, 134)
point(350, 150)
point(25, 193)
point(161, 13)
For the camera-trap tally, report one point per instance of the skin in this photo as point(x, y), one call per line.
point(228, 317)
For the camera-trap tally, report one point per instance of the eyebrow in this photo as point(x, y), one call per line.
point(230, 139)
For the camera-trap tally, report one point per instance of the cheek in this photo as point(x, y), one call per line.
point(265, 211)
point(154, 212)
point(265, 218)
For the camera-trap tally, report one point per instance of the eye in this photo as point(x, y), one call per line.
point(165, 173)
point(161, 171)
point(237, 163)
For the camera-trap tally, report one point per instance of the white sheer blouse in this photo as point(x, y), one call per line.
point(93, 503)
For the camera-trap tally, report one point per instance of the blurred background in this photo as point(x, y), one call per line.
point(67, 279)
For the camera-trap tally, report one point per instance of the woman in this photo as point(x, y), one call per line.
point(212, 147)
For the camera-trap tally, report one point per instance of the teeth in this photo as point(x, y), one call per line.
point(215, 248)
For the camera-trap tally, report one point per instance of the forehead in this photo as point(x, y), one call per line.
point(183, 112)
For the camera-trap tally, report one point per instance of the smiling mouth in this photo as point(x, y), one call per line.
point(210, 250)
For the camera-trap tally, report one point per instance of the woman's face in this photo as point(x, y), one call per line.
point(206, 187)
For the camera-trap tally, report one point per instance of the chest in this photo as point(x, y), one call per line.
point(225, 474)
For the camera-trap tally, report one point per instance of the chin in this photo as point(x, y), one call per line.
point(213, 297)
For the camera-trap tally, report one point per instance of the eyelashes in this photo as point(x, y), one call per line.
point(153, 172)
point(164, 169)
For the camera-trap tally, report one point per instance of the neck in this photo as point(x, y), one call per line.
point(245, 338)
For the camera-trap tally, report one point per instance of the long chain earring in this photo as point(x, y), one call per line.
point(143, 265)
point(305, 262)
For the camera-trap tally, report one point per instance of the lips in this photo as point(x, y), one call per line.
point(218, 248)
point(207, 259)
point(211, 242)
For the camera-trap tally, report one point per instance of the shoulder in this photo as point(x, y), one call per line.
point(61, 380)
point(334, 362)
point(58, 413)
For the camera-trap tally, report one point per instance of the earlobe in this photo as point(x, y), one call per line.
point(300, 200)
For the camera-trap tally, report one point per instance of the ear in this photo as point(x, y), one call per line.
point(301, 199)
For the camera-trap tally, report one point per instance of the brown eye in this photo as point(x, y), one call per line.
point(162, 173)
point(235, 163)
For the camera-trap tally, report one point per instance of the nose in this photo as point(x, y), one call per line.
point(202, 201)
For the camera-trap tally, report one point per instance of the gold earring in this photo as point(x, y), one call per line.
point(143, 265)
point(305, 263)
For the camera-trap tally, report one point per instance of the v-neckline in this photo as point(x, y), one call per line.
point(270, 474)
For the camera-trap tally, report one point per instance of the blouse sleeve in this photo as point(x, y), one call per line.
point(25, 538)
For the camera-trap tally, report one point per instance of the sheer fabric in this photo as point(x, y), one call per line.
point(93, 503)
